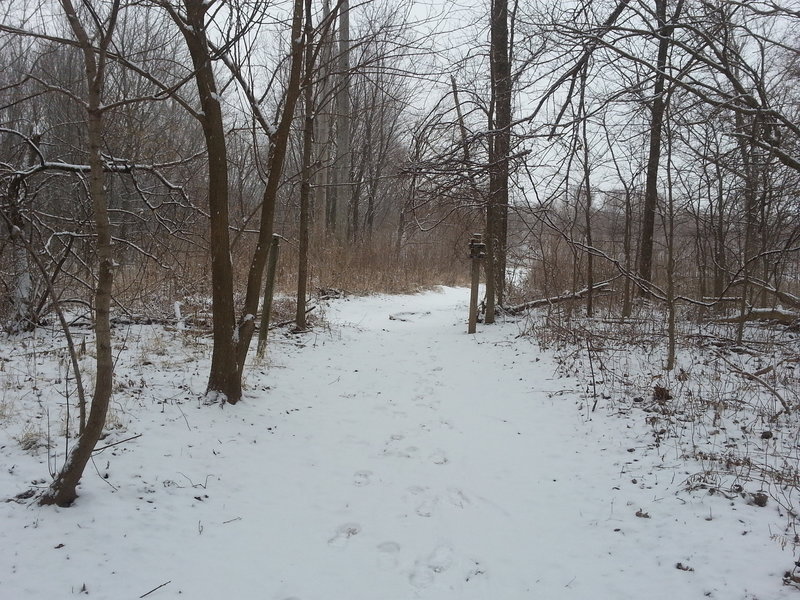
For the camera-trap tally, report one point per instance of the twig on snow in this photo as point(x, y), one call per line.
point(158, 587)
point(755, 377)
point(99, 450)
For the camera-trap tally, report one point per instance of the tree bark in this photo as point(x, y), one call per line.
point(750, 183)
point(500, 126)
point(340, 180)
point(224, 377)
point(305, 186)
point(627, 250)
point(656, 126)
point(587, 188)
point(323, 123)
point(63, 490)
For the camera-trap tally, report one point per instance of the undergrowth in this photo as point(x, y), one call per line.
point(729, 410)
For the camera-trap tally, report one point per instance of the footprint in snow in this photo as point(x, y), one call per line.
point(362, 478)
point(427, 508)
point(454, 496)
point(428, 401)
point(407, 315)
point(388, 555)
point(457, 498)
point(421, 577)
point(440, 559)
point(425, 570)
point(344, 533)
point(407, 452)
point(439, 457)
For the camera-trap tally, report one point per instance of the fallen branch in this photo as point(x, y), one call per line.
point(784, 317)
point(784, 297)
point(602, 287)
point(754, 377)
point(156, 588)
point(98, 450)
point(289, 322)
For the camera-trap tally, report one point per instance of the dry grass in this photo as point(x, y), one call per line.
point(366, 268)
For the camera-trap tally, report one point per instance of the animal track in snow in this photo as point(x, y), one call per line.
point(343, 533)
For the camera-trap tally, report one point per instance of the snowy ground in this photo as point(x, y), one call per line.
point(387, 456)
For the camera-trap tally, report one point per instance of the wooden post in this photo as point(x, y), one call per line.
point(477, 250)
point(269, 288)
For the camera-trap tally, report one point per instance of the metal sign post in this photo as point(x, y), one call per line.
point(477, 251)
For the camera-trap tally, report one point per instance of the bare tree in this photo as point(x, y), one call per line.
point(499, 148)
point(192, 21)
point(277, 153)
point(340, 169)
point(94, 43)
point(305, 190)
point(664, 31)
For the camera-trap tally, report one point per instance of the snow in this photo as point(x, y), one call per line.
point(375, 458)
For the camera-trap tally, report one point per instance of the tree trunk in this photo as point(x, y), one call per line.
point(656, 126)
point(750, 209)
point(305, 186)
point(340, 180)
point(63, 490)
point(223, 378)
point(323, 121)
point(23, 317)
point(587, 186)
point(626, 245)
point(500, 127)
point(669, 232)
point(720, 261)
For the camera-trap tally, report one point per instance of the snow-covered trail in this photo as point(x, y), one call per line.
point(392, 459)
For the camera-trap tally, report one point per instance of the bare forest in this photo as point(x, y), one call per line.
point(220, 168)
